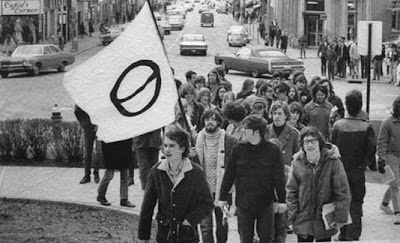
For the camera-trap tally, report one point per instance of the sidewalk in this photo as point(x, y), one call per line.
point(62, 185)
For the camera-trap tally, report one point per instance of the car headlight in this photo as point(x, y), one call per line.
point(26, 63)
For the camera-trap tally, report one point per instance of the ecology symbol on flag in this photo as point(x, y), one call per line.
point(155, 76)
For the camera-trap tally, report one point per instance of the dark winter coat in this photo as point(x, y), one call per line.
point(117, 155)
point(189, 200)
point(318, 116)
point(258, 171)
point(84, 119)
point(356, 141)
point(310, 186)
point(284, 42)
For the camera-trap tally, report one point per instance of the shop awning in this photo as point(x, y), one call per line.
point(394, 5)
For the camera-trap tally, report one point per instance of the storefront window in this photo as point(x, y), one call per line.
point(315, 5)
point(23, 28)
point(352, 19)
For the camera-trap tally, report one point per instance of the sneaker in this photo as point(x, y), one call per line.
point(386, 209)
point(85, 179)
point(126, 203)
point(103, 201)
point(396, 218)
point(96, 177)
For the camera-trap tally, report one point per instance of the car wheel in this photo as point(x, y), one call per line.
point(229, 44)
point(204, 53)
point(201, 25)
point(182, 53)
point(4, 74)
point(36, 70)
point(223, 64)
point(61, 68)
point(255, 74)
point(212, 25)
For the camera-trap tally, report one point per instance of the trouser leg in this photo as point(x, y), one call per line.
point(105, 181)
point(89, 137)
point(386, 197)
point(206, 228)
point(394, 163)
point(146, 158)
point(246, 221)
point(280, 225)
point(222, 227)
point(123, 188)
point(265, 224)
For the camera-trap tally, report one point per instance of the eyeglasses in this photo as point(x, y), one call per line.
point(310, 141)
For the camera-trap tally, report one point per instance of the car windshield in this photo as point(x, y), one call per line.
point(193, 38)
point(237, 35)
point(28, 50)
point(265, 53)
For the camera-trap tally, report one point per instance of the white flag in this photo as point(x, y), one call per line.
point(128, 88)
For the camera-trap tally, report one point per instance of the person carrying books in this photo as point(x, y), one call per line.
point(316, 178)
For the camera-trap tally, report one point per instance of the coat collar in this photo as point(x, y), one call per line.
point(284, 137)
point(187, 165)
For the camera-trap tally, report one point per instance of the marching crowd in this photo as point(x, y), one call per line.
point(279, 150)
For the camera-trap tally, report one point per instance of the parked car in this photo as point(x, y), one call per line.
point(221, 8)
point(207, 19)
point(204, 8)
point(111, 35)
point(164, 24)
point(258, 60)
point(35, 58)
point(193, 43)
point(237, 36)
point(176, 22)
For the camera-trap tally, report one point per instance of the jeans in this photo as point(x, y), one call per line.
point(331, 70)
point(264, 218)
point(392, 193)
point(280, 226)
point(302, 51)
point(89, 136)
point(146, 158)
point(377, 69)
point(108, 175)
point(310, 238)
point(323, 66)
point(356, 180)
point(206, 227)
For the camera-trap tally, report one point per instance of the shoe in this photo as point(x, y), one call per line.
point(85, 179)
point(103, 201)
point(126, 203)
point(131, 182)
point(386, 209)
point(96, 178)
point(396, 218)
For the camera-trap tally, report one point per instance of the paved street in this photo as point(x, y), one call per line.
point(23, 96)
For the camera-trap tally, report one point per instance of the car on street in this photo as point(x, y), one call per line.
point(237, 36)
point(204, 8)
point(177, 22)
point(258, 60)
point(207, 19)
point(111, 35)
point(193, 44)
point(221, 8)
point(166, 27)
point(34, 59)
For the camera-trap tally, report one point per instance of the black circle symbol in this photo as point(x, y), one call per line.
point(154, 76)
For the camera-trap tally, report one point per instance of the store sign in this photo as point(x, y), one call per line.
point(20, 7)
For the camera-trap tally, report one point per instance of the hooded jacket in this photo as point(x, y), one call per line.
point(311, 186)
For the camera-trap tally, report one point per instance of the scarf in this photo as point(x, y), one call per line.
point(200, 148)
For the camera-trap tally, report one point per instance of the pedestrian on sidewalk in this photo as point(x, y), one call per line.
point(331, 57)
point(278, 35)
point(9, 45)
point(377, 61)
point(89, 136)
point(343, 57)
point(213, 147)
point(61, 41)
point(322, 54)
point(256, 167)
point(356, 141)
point(117, 156)
point(147, 148)
point(302, 45)
point(271, 33)
point(91, 28)
point(316, 177)
point(354, 59)
point(82, 31)
point(394, 57)
point(389, 154)
point(180, 189)
point(284, 41)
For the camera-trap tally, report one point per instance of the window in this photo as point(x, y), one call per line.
point(54, 49)
point(351, 5)
point(394, 5)
point(315, 5)
point(351, 19)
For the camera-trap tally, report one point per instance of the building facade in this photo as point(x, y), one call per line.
point(319, 18)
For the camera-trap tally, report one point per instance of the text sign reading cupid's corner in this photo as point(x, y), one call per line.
point(20, 7)
point(376, 37)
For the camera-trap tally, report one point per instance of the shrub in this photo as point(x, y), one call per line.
point(14, 143)
point(38, 135)
point(70, 147)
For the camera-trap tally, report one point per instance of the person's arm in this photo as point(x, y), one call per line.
point(370, 148)
point(341, 192)
point(292, 195)
point(229, 175)
point(278, 169)
point(205, 204)
point(149, 202)
point(383, 140)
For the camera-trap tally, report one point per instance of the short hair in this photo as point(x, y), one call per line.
point(256, 123)
point(210, 113)
point(314, 132)
point(315, 80)
point(277, 74)
point(325, 80)
point(202, 92)
point(260, 83)
point(353, 102)
point(282, 88)
point(187, 88)
point(300, 78)
point(234, 111)
point(180, 136)
point(231, 94)
point(396, 107)
point(297, 74)
point(264, 88)
point(319, 87)
point(199, 79)
point(189, 74)
point(281, 104)
point(296, 106)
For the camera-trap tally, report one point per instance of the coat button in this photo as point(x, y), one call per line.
point(174, 205)
point(173, 232)
point(174, 219)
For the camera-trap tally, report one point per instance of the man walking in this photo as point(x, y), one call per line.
point(355, 139)
point(213, 146)
point(256, 166)
point(302, 45)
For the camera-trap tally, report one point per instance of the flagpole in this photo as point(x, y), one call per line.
point(179, 98)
